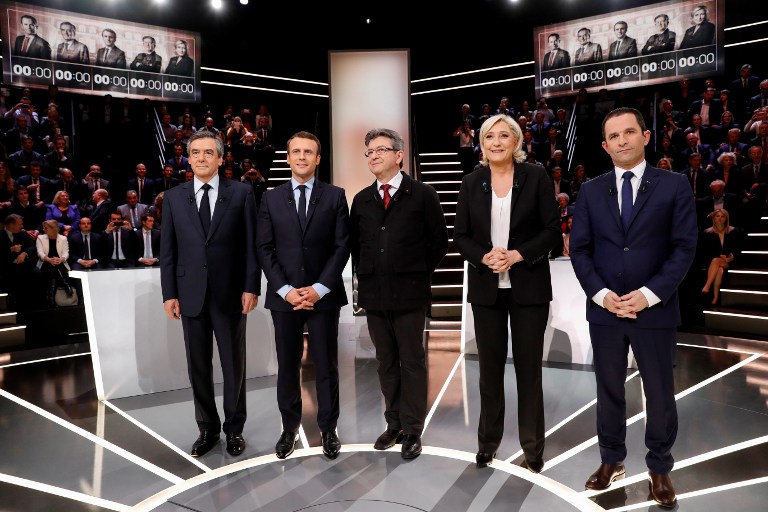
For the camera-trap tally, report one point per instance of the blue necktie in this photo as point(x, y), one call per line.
point(302, 206)
point(626, 200)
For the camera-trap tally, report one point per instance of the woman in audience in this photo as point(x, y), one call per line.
point(720, 130)
point(7, 187)
point(718, 246)
point(156, 210)
point(579, 177)
point(52, 254)
point(727, 171)
point(234, 133)
point(67, 215)
point(664, 163)
point(186, 128)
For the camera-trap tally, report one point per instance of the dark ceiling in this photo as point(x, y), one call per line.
point(292, 38)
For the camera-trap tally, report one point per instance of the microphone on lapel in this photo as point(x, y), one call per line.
point(221, 200)
point(644, 186)
point(191, 199)
point(314, 201)
point(612, 190)
point(486, 187)
point(515, 185)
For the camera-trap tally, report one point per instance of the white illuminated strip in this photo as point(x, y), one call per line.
point(446, 286)
point(471, 72)
point(749, 292)
point(737, 315)
point(263, 89)
point(44, 360)
point(451, 162)
point(14, 327)
point(437, 154)
point(142, 463)
point(754, 252)
point(757, 272)
point(303, 437)
point(746, 42)
point(64, 493)
point(757, 234)
point(747, 25)
point(444, 183)
point(264, 76)
point(526, 77)
point(720, 348)
point(443, 389)
point(157, 436)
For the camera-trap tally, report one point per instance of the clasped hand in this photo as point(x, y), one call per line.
point(303, 298)
point(626, 306)
point(500, 259)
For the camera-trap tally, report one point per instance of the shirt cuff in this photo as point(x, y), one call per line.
point(599, 297)
point(650, 296)
point(283, 291)
point(321, 290)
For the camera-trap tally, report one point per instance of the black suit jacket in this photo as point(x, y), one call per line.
point(414, 239)
point(7, 257)
point(154, 243)
point(127, 244)
point(147, 193)
point(115, 59)
point(77, 247)
point(220, 266)
point(99, 215)
point(628, 49)
point(702, 37)
point(562, 60)
point(316, 255)
point(38, 48)
point(534, 230)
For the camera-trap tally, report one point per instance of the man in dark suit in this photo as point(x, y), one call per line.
point(148, 60)
point(397, 238)
point(663, 40)
point(110, 56)
point(29, 44)
point(85, 247)
point(699, 177)
point(98, 210)
point(58, 158)
point(718, 199)
point(303, 246)
point(556, 57)
point(630, 259)
point(624, 46)
point(119, 243)
point(94, 180)
point(144, 187)
point(68, 184)
point(708, 105)
point(761, 140)
point(743, 89)
point(30, 211)
point(168, 180)
point(178, 161)
point(17, 259)
point(39, 187)
point(22, 159)
point(148, 242)
point(694, 145)
point(210, 279)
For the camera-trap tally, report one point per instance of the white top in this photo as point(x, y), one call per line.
point(501, 209)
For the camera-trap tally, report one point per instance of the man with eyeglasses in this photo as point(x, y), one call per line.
point(397, 237)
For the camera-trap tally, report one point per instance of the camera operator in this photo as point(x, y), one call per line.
point(252, 177)
point(26, 109)
point(94, 179)
point(120, 242)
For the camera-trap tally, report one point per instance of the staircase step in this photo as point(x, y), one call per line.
point(3, 301)
point(446, 309)
point(447, 292)
point(8, 318)
point(746, 321)
point(12, 336)
point(749, 298)
point(746, 278)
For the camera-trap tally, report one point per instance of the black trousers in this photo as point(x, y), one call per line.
point(229, 328)
point(399, 340)
point(654, 350)
point(323, 328)
point(527, 324)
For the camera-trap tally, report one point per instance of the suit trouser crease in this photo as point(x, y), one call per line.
point(654, 351)
point(229, 329)
point(323, 329)
point(399, 340)
point(527, 324)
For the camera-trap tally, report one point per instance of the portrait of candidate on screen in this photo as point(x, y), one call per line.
point(30, 43)
point(181, 63)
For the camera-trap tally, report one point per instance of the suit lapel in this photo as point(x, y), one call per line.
point(613, 197)
point(222, 204)
point(517, 188)
point(190, 190)
point(485, 193)
point(314, 198)
point(647, 185)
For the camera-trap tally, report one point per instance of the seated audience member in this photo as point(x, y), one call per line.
point(563, 248)
point(57, 159)
point(755, 174)
point(52, 254)
point(132, 210)
point(703, 132)
point(168, 130)
point(664, 163)
point(187, 128)
point(564, 207)
point(247, 148)
point(68, 184)
point(32, 213)
point(15, 137)
point(17, 258)
point(761, 140)
point(718, 246)
point(698, 177)
point(66, 214)
point(178, 161)
point(529, 145)
point(22, 160)
point(234, 133)
point(51, 127)
point(119, 243)
point(148, 253)
point(229, 162)
point(189, 176)
point(693, 146)
point(560, 184)
point(40, 188)
point(720, 129)
point(99, 209)
point(532, 158)
point(167, 181)
point(156, 210)
point(727, 170)
point(579, 178)
point(144, 187)
point(85, 247)
point(7, 186)
point(716, 200)
point(209, 127)
point(734, 145)
point(95, 180)
point(558, 160)
point(265, 153)
point(254, 179)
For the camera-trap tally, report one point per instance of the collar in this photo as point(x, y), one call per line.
point(310, 184)
point(394, 183)
point(214, 183)
point(637, 170)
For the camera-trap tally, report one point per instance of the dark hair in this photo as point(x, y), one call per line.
point(305, 135)
point(620, 112)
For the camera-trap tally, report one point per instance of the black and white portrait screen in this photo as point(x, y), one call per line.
point(95, 55)
point(634, 47)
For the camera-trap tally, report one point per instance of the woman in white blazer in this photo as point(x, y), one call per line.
point(52, 253)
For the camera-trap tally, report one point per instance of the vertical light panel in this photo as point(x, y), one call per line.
point(368, 89)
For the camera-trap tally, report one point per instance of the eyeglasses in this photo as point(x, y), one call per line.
point(379, 151)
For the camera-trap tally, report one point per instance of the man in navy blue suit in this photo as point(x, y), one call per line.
point(303, 247)
point(632, 243)
point(210, 279)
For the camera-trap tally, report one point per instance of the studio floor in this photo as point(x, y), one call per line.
point(63, 450)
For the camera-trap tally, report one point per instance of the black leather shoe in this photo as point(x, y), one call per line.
point(661, 489)
point(484, 459)
point(331, 444)
point(411, 446)
point(533, 467)
point(605, 474)
point(388, 439)
point(286, 444)
point(205, 441)
point(235, 444)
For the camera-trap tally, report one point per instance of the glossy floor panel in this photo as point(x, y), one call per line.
point(132, 453)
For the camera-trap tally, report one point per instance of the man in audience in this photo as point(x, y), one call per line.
point(718, 199)
point(178, 161)
point(698, 177)
point(67, 183)
point(560, 184)
point(132, 209)
point(17, 258)
point(100, 210)
point(735, 146)
point(144, 187)
point(31, 212)
point(57, 158)
point(21, 159)
point(85, 247)
point(762, 140)
point(703, 150)
point(120, 242)
point(94, 180)
point(14, 137)
point(40, 188)
point(708, 107)
point(148, 242)
point(168, 181)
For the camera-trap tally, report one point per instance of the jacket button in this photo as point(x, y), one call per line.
point(205, 267)
point(618, 275)
point(381, 250)
point(626, 249)
point(383, 228)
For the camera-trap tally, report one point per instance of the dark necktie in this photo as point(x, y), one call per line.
point(626, 200)
point(116, 256)
point(87, 255)
point(387, 198)
point(205, 209)
point(302, 206)
point(141, 186)
point(693, 181)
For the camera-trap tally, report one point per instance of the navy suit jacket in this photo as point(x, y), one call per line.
point(77, 247)
point(316, 255)
point(656, 251)
point(187, 256)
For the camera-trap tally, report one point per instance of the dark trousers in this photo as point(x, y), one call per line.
point(323, 328)
point(654, 350)
point(399, 340)
point(125, 263)
point(527, 324)
point(229, 328)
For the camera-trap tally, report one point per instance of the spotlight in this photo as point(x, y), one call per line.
point(216, 4)
point(244, 2)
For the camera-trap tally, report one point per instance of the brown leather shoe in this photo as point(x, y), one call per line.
point(605, 474)
point(661, 489)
